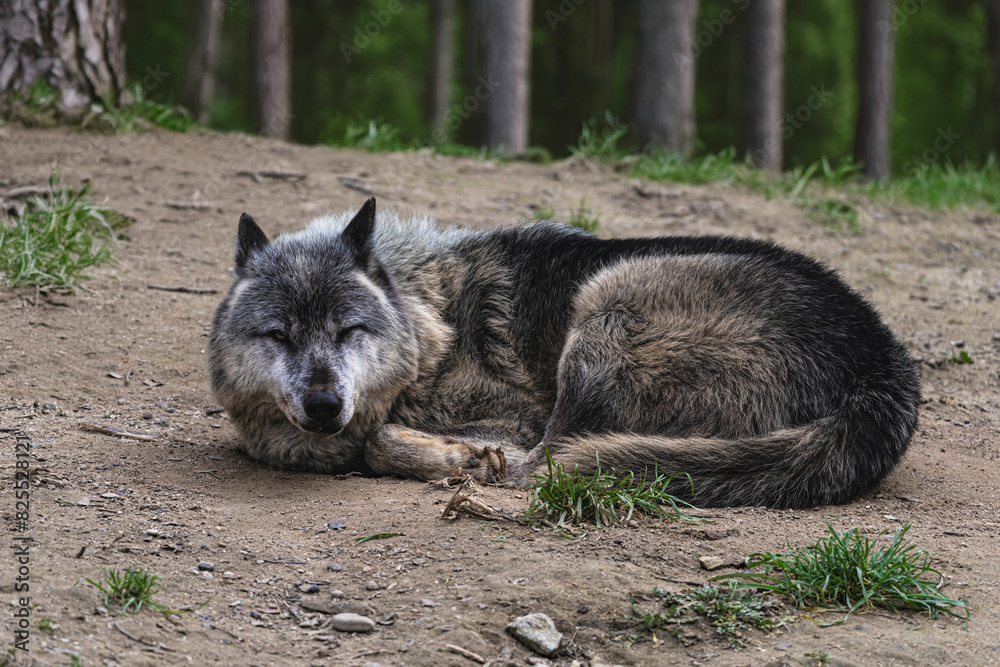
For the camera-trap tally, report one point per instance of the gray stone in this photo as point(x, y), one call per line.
point(205, 566)
point(334, 567)
point(537, 632)
point(348, 622)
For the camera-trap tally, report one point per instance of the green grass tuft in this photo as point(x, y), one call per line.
point(584, 218)
point(373, 136)
point(849, 571)
point(543, 214)
point(729, 609)
point(130, 590)
point(56, 237)
point(836, 215)
point(597, 144)
point(602, 498)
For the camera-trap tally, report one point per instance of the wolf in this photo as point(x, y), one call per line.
point(387, 345)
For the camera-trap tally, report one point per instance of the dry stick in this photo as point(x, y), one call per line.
point(121, 433)
point(475, 657)
point(186, 290)
point(128, 634)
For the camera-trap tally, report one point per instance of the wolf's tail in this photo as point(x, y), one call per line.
point(828, 461)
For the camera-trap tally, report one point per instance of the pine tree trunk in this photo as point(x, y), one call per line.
point(75, 46)
point(272, 67)
point(875, 62)
point(204, 57)
point(443, 28)
point(508, 50)
point(665, 74)
point(993, 44)
point(762, 97)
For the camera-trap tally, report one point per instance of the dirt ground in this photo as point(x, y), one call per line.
point(117, 349)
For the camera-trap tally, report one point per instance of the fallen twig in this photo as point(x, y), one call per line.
point(186, 290)
point(465, 653)
point(121, 433)
point(279, 174)
point(156, 645)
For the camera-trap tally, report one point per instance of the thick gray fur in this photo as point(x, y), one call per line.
point(753, 368)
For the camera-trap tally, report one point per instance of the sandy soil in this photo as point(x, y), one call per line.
point(191, 496)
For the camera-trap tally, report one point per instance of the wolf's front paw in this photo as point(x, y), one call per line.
point(403, 451)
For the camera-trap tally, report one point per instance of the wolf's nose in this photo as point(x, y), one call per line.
point(323, 406)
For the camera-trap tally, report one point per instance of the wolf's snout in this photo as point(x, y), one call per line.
point(322, 408)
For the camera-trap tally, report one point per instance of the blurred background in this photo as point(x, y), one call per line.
point(886, 85)
point(583, 62)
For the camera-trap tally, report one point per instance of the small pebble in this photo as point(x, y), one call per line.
point(83, 501)
point(147, 415)
point(48, 406)
point(206, 566)
point(308, 588)
point(372, 585)
point(337, 593)
point(334, 567)
point(121, 401)
point(348, 622)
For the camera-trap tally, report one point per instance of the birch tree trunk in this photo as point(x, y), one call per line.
point(75, 46)
point(877, 36)
point(508, 50)
point(762, 99)
point(665, 74)
point(272, 67)
point(200, 83)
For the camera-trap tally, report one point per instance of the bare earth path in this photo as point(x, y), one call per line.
point(191, 496)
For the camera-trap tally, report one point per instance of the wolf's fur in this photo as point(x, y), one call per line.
point(751, 367)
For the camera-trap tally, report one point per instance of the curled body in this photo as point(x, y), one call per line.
point(368, 342)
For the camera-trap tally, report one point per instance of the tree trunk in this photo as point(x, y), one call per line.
point(204, 57)
point(993, 43)
point(272, 67)
point(762, 99)
point(664, 72)
point(877, 35)
point(443, 28)
point(508, 35)
point(75, 46)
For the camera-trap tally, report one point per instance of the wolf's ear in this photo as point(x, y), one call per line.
point(249, 240)
point(358, 234)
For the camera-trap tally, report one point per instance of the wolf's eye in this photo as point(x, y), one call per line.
point(347, 331)
point(278, 335)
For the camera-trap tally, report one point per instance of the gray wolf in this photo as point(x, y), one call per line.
point(385, 345)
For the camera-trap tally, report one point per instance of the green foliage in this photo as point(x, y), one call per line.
point(962, 357)
point(584, 218)
point(47, 624)
point(729, 609)
point(75, 660)
point(372, 136)
point(130, 590)
point(836, 215)
point(943, 186)
point(543, 214)
point(597, 144)
point(139, 114)
point(602, 498)
point(56, 238)
point(849, 571)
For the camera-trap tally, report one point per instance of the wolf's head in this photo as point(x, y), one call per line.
point(313, 327)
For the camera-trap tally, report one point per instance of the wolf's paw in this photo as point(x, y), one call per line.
point(412, 453)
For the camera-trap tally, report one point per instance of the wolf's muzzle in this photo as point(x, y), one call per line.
point(323, 408)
